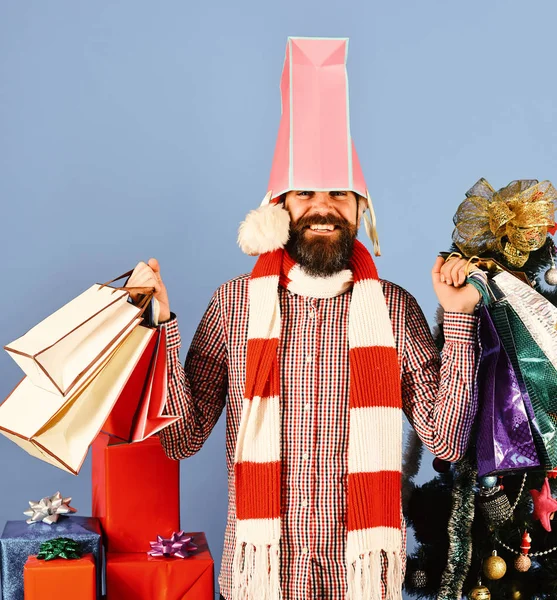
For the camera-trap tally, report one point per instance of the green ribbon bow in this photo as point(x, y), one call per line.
point(60, 548)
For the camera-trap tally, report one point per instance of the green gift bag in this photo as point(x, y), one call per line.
point(536, 371)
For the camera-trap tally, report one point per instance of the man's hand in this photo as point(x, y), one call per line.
point(149, 275)
point(453, 293)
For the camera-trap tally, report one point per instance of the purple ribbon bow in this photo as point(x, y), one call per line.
point(178, 545)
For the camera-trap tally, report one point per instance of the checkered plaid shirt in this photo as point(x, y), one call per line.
point(314, 367)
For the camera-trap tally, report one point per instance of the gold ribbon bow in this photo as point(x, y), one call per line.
point(512, 222)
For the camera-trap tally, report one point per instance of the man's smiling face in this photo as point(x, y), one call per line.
point(323, 229)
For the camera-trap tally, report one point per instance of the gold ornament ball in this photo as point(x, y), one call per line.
point(522, 563)
point(480, 592)
point(494, 567)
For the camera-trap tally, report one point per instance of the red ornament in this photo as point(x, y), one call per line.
point(553, 229)
point(544, 505)
point(552, 474)
point(526, 543)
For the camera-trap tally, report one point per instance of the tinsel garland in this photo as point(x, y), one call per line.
point(460, 530)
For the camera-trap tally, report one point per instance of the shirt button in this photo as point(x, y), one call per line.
point(307, 406)
point(309, 358)
point(304, 503)
point(305, 456)
point(304, 550)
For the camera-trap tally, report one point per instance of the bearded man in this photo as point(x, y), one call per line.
point(315, 358)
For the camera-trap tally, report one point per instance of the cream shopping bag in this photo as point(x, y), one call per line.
point(60, 429)
point(58, 352)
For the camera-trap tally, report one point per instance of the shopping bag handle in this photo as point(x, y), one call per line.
point(128, 274)
point(148, 292)
point(486, 264)
point(144, 302)
point(492, 266)
point(139, 290)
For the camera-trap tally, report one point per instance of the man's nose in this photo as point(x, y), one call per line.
point(321, 201)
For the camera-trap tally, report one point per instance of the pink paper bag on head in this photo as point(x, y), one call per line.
point(314, 149)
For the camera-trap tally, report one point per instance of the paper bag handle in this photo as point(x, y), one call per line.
point(144, 302)
point(139, 290)
point(128, 274)
point(148, 291)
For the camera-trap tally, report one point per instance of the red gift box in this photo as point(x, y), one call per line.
point(136, 493)
point(138, 576)
point(60, 578)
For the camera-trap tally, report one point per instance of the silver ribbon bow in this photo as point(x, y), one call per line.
point(48, 509)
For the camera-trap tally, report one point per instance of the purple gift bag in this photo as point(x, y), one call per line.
point(504, 441)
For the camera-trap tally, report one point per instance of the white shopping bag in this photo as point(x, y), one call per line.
point(60, 429)
point(58, 352)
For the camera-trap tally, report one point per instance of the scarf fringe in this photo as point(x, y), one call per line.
point(364, 577)
point(256, 572)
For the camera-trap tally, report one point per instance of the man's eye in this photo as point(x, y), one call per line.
point(304, 193)
point(339, 194)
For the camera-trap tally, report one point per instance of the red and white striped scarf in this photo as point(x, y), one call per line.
point(375, 440)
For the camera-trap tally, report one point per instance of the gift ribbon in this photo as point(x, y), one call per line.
point(512, 222)
point(48, 509)
point(179, 544)
point(60, 548)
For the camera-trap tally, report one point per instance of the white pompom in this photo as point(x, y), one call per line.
point(264, 230)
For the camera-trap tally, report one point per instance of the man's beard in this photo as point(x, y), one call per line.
point(322, 256)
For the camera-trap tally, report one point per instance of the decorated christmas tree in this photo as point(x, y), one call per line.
point(484, 524)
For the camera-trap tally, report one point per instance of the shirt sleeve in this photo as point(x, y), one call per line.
point(438, 389)
point(197, 389)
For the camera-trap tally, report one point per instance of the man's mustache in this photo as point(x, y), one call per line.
point(320, 220)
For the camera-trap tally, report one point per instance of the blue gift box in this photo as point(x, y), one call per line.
point(20, 540)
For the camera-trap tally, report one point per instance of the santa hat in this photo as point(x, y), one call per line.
point(314, 149)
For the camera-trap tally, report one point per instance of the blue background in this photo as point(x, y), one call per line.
point(131, 129)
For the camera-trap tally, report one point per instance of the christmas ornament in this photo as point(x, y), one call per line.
point(526, 542)
point(522, 563)
point(479, 592)
point(441, 466)
point(495, 505)
point(550, 276)
point(544, 505)
point(178, 545)
point(552, 474)
point(48, 509)
point(488, 481)
point(494, 567)
point(59, 548)
point(419, 579)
